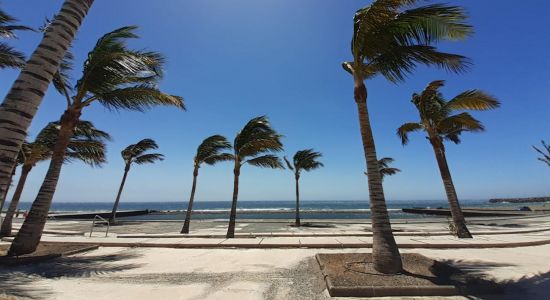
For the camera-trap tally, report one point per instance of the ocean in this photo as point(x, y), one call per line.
point(338, 209)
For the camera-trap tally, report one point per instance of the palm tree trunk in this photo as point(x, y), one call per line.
point(112, 219)
point(297, 200)
point(386, 257)
point(29, 235)
point(459, 222)
point(7, 223)
point(185, 228)
point(233, 213)
point(25, 96)
point(5, 195)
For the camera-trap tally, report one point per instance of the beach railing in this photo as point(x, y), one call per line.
point(93, 225)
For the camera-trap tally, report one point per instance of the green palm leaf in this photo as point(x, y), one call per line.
point(544, 152)
point(148, 158)
point(473, 100)
point(266, 161)
point(404, 130)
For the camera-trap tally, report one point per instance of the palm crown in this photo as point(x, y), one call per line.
point(437, 116)
point(209, 151)
point(87, 144)
point(304, 160)
point(256, 138)
point(136, 153)
point(545, 156)
point(9, 57)
point(384, 166)
point(391, 37)
point(116, 76)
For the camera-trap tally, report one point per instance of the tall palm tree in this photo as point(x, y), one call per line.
point(135, 154)
point(210, 153)
point(390, 38)
point(440, 123)
point(117, 78)
point(306, 160)
point(253, 145)
point(545, 156)
point(28, 90)
point(87, 145)
point(9, 57)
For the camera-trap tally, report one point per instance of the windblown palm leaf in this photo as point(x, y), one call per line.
point(209, 151)
point(436, 114)
point(391, 37)
point(135, 153)
point(544, 152)
point(306, 160)
point(385, 169)
point(9, 57)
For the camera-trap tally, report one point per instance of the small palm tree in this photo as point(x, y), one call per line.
point(210, 153)
point(545, 156)
point(135, 154)
point(26, 94)
point(250, 147)
point(117, 78)
point(9, 57)
point(390, 38)
point(305, 160)
point(87, 145)
point(438, 121)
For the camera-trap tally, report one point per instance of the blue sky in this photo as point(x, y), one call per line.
point(234, 60)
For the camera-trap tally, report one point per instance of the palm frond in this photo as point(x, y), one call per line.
point(257, 137)
point(214, 159)
point(140, 97)
point(473, 100)
point(392, 37)
point(134, 150)
point(545, 156)
point(10, 58)
point(91, 152)
point(211, 148)
point(266, 161)
point(148, 158)
point(288, 164)
point(404, 130)
point(307, 160)
point(8, 26)
point(62, 78)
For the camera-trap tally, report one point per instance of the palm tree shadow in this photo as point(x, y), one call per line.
point(23, 281)
point(473, 280)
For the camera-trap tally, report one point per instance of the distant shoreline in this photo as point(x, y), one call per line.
point(520, 200)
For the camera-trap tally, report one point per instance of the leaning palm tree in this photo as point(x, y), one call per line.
point(28, 90)
point(135, 154)
point(87, 145)
point(440, 123)
point(253, 145)
point(117, 78)
point(545, 156)
point(305, 160)
point(9, 57)
point(210, 153)
point(390, 38)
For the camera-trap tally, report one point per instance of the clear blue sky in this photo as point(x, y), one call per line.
point(234, 60)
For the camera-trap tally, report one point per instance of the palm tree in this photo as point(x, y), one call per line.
point(253, 145)
point(116, 77)
point(208, 152)
point(545, 157)
point(87, 145)
point(27, 92)
point(9, 57)
point(438, 121)
point(135, 154)
point(390, 38)
point(305, 160)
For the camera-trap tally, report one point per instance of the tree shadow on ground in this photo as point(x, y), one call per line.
point(23, 281)
point(527, 287)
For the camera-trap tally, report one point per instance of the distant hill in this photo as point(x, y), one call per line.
point(520, 200)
